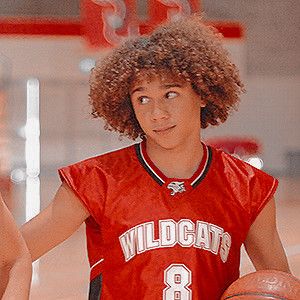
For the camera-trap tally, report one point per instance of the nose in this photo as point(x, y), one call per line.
point(159, 111)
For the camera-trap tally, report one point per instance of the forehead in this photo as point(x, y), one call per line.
point(164, 76)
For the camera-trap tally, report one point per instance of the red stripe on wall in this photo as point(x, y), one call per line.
point(17, 26)
point(40, 26)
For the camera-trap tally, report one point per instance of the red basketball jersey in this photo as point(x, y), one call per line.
point(151, 237)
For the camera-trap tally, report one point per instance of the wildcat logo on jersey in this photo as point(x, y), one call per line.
point(176, 187)
point(186, 233)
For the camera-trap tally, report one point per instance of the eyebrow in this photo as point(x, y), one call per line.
point(166, 86)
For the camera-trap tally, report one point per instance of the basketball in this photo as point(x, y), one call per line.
point(264, 284)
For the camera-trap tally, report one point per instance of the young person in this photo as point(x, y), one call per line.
point(166, 217)
point(15, 260)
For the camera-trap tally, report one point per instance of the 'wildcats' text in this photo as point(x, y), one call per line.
point(185, 233)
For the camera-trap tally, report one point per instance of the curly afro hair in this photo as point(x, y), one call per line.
point(189, 50)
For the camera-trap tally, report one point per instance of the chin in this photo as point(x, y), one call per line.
point(166, 144)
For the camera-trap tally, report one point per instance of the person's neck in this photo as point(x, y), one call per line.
point(179, 162)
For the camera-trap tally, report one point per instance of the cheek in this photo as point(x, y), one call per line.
point(189, 114)
point(141, 116)
point(188, 109)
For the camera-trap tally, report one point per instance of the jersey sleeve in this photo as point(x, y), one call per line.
point(262, 188)
point(87, 181)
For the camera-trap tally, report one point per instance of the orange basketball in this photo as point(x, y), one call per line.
point(264, 284)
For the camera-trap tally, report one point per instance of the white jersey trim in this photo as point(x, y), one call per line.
point(97, 263)
point(204, 167)
point(145, 161)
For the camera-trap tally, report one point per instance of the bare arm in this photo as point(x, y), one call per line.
point(54, 224)
point(15, 262)
point(263, 244)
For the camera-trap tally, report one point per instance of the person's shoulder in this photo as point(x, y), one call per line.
point(234, 165)
point(111, 165)
point(107, 159)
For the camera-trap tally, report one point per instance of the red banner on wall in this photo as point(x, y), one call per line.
point(106, 22)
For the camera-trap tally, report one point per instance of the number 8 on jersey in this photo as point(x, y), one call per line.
point(177, 277)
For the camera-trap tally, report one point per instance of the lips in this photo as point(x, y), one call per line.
point(164, 129)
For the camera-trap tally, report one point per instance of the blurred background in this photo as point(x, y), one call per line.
point(47, 49)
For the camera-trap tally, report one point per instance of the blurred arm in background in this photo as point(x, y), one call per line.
point(15, 260)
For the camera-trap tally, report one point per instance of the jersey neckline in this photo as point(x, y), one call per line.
point(161, 179)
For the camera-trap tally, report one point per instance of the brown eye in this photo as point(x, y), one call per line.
point(143, 100)
point(171, 95)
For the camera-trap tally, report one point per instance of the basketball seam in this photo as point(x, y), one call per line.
point(258, 294)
